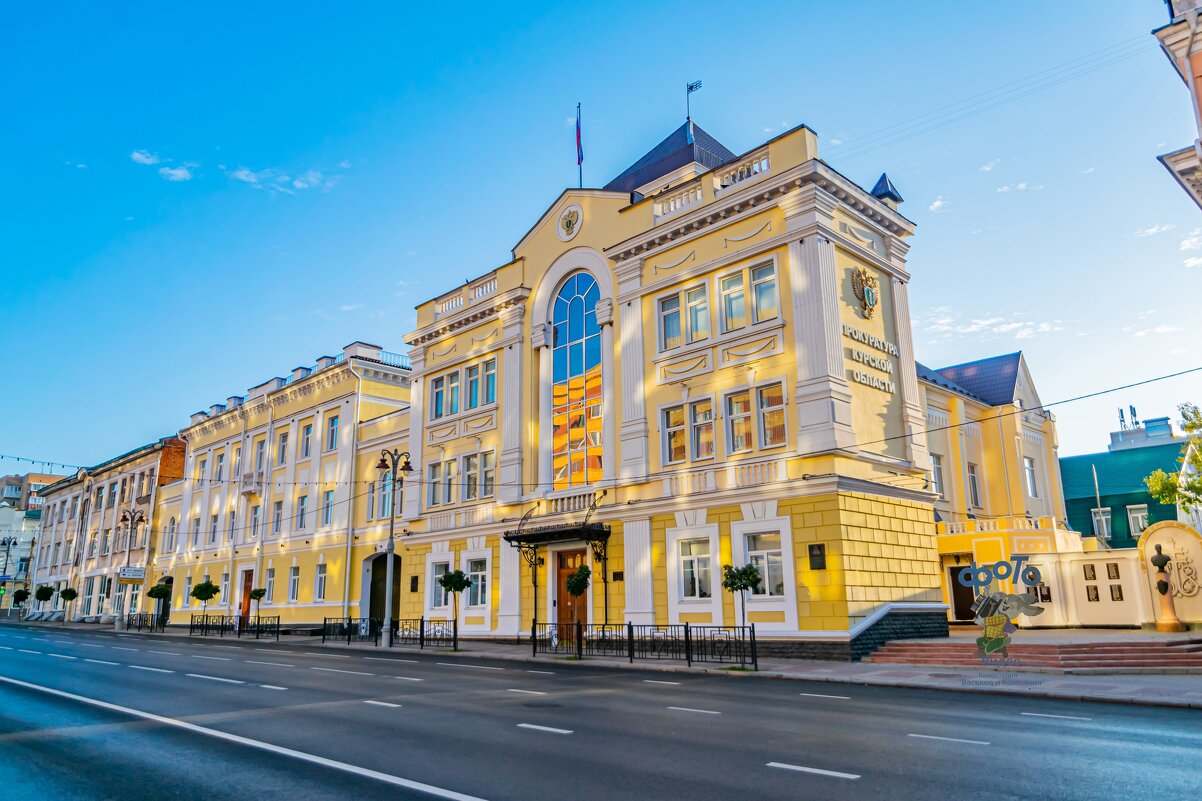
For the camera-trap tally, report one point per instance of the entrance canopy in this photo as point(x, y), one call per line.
point(563, 532)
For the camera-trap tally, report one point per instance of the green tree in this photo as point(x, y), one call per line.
point(455, 582)
point(204, 592)
point(577, 583)
point(257, 595)
point(741, 580)
point(43, 593)
point(159, 592)
point(1183, 488)
point(68, 594)
point(20, 596)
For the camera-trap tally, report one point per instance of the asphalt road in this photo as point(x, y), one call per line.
point(133, 717)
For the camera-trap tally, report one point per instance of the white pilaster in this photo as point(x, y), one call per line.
point(509, 467)
point(636, 548)
point(915, 422)
point(609, 433)
point(630, 338)
point(822, 392)
point(509, 613)
point(411, 498)
point(541, 340)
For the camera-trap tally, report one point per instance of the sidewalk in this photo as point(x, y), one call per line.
point(1150, 689)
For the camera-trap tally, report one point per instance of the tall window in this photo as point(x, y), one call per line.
point(576, 392)
point(439, 597)
point(302, 506)
point(738, 422)
point(187, 599)
point(974, 486)
point(765, 303)
point(237, 466)
point(327, 507)
point(225, 586)
point(306, 442)
point(471, 477)
point(213, 521)
point(695, 569)
point(254, 521)
point(293, 583)
point(490, 381)
point(202, 469)
point(1137, 518)
point(332, 433)
point(676, 329)
point(734, 307)
point(1029, 471)
point(218, 470)
point(674, 435)
point(195, 531)
point(229, 532)
point(1101, 523)
point(260, 455)
point(771, 403)
point(437, 396)
point(269, 584)
point(472, 389)
point(277, 517)
point(937, 475)
point(440, 484)
point(477, 571)
point(319, 583)
point(453, 393)
point(488, 474)
point(385, 495)
point(170, 535)
point(701, 419)
point(281, 454)
point(371, 501)
point(763, 551)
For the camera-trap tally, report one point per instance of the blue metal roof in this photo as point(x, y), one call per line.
point(681, 147)
point(992, 380)
point(1119, 472)
point(933, 377)
point(885, 190)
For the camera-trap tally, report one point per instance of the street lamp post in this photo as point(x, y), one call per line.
point(395, 462)
point(131, 518)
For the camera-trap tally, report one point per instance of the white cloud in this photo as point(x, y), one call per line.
point(836, 141)
point(1021, 186)
point(144, 157)
point(1152, 230)
point(345, 164)
point(176, 174)
point(1159, 329)
point(247, 176)
point(989, 165)
point(274, 180)
point(350, 307)
point(77, 165)
point(944, 324)
point(1193, 241)
point(938, 204)
point(309, 180)
point(1088, 170)
point(1193, 261)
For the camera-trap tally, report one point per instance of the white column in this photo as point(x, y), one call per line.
point(509, 614)
point(822, 393)
point(609, 424)
point(914, 419)
point(541, 340)
point(636, 548)
point(411, 497)
point(509, 466)
point(630, 354)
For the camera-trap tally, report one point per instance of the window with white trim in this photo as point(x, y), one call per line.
point(1101, 522)
point(269, 584)
point(327, 507)
point(488, 474)
point(439, 597)
point(232, 519)
point(277, 517)
point(225, 587)
point(739, 438)
point(332, 432)
point(302, 506)
point(440, 486)
point(1032, 478)
point(293, 584)
point(765, 300)
point(170, 536)
point(1137, 519)
point(490, 381)
point(675, 438)
point(477, 593)
point(763, 551)
point(319, 583)
point(693, 325)
point(306, 442)
point(195, 532)
point(371, 501)
point(695, 569)
point(974, 486)
point(187, 599)
point(254, 520)
point(212, 529)
point(937, 475)
point(701, 424)
point(770, 402)
point(479, 475)
point(281, 454)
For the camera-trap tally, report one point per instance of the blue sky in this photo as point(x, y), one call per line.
point(201, 198)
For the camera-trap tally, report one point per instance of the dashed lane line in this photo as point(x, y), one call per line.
point(167, 653)
point(6, 648)
point(407, 678)
point(89, 645)
point(215, 658)
point(214, 678)
point(820, 695)
point(272, 687)
point(543, 672)
point(948, 739)
point(818, 771)
point(336, 670)
point(473, 667)
point(550, 729)
point(123, 648)
point(657, 681)
point(28, 651)
point(272, 651)
point(61, 656)
point(100, 661)
point(527, 692)
point(331, 656)
point(151, 669)
point(691, 709)
point(326, 762)
point(273, 664)
point(1058, 717)
point(382, 703)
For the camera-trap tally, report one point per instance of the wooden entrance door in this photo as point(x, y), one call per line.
point(569, 609)
point(962, 597)
point(248, 584)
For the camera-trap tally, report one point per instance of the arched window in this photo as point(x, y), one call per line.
point(576, 387)
point(171, 534)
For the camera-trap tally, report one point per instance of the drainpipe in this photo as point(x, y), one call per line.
point(236, 480)
point(263, 494)
point(350, 512)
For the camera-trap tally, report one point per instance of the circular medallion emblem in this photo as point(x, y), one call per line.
point(570, 220)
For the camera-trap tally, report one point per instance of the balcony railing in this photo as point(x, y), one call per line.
point(745, 170)
point(995, 524)
point(735, 476)
point(396, 360)
point(251, 483)
point(668, 204)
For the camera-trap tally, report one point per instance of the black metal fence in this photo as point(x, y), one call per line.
point(682, 642)
point(145, 621)
point(426, 633)
point(351, 629)
point(257, 627)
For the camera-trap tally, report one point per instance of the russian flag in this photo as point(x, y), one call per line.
point(579, 146)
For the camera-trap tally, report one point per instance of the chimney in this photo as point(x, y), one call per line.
point(216, 409)
point(363, 350)
point(324, 361)
point(234, 401)
point(300, 372)
point(199, 417)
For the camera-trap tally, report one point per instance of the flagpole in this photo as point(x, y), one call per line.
point(579, 151)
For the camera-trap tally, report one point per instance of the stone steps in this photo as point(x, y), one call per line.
point(1114, 656)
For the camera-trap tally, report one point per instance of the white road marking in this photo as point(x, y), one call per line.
point(274, 664)
point(527, 692)
point(473, 667)
point(331, 656)
point(60, 656)
point(1061, 717)
point(657, 681)
point(154, 670)
point(388, 778)
point(544, 672)
point(544, 728)
point(948, 739)
point(27, 651)
point(168, 653)
point(214, 678)
point(272, 651)
point(89, 645)
point(272, 687)
point(123, 648)
point(385, 659)
point(6, 647)
point(381, 703)
point(64, 642)
point(217, 658)
point(214, 645)
point(336, 670)
point(690, 709)
point(801, 768)
point(100, 661)
point(407, 678)
point(410, 661)
point(820, 695)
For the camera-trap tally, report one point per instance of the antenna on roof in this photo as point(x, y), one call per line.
point(1122, 420)
point(1134, 418)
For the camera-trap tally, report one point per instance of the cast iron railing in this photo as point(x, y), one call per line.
point(351, 629)
point(208, 625)
point(426, 633)
point(145, 621)
point(682, 641)
point(256, 627)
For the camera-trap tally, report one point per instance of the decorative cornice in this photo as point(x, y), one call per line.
point(468, 316)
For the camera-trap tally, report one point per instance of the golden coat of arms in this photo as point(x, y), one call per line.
point(867, 290)
point(569, 220)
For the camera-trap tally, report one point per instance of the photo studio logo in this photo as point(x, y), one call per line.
point(995, 610)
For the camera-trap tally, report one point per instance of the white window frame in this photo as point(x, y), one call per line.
point(277, 517)
point(686, 302)
point(973, 475)
point(319, 582)
point(269, 585)
point(1105, 516)
point(666, 430)
point(470, 477)
point(1031, 474)
point(730, 419)
point(435, 592)
point(332, 433)
point(255, 513)
point(753, 301)
point(302, 509)
point(694, 427)
point(327, 507)
point(306, 443)
point(678, 605)
point(761, 411)
point(281, 444)
point(466, 607)
point(937, 485)
point(294, 584)
point(1135, 511)
point(725, 324)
